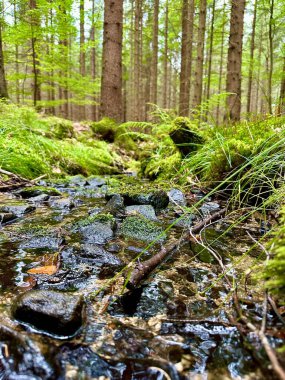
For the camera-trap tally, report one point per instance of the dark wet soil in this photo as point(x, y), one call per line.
point(177, 325)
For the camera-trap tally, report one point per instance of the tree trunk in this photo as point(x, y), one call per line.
point(186, 56)
point(282, 91)
point(137, 61)
point(3, 83)
point(198, 87)
point(82, 57)
point(93, 60)
point(252, 47)
point(153, 75)
point(35, 23)
point(165, 59)
point(270, 72)
point(221, 64)
point(234, 60)
point(111, 81)
point(211, 50)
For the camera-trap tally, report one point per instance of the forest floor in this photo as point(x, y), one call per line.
point(105, 274)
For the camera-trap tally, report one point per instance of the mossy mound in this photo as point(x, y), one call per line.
point(140, 228)
point(33, 191)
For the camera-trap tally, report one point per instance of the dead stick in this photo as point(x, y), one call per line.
point(142, 270)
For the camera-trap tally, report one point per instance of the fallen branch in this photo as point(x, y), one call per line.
point(142, 270)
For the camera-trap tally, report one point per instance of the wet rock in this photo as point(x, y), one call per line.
point(39, 198)
point(158, 199)
point(7, 217)
point(176, 196)
point(97, 229)
point(145, 210)
point(113, 247)
point(185, 220)
point(100, 255)
point(18, 210)
point(47, 241)
point(62, 203)
point(115, 206)
point(94, 182)
point(50, 311)
point(140, 228)
point(209, 207)
point(78, 180)
point(34, 191)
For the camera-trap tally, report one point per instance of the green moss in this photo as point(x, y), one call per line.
point(100, 218)
point(58, 128)
point(33, 191)
point(140, 228)
point(105, 129)
point(162, 167)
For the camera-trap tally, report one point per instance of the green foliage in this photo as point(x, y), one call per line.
point(27, 151)
point(275, 268)
point(99, 218)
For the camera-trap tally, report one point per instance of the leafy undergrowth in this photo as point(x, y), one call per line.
point(31, 145)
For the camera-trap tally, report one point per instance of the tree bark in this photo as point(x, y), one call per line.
point(93, 60)
point(221, 64)
point(82, 57)
point(165, 59)
point(270, 72)
point(234, 60)
point(137, 60)
point(211, 50)
point(35, 23)
point(282, 91)
point(186, 56)
point(198, 87)
point(111, 81)
point(153, 75)
point(252, 47)
point(3, 83)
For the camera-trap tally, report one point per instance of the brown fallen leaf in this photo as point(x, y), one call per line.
point(47, 269)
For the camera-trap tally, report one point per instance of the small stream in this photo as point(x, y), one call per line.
point(62, 316)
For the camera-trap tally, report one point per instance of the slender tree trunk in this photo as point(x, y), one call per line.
point(282, 91)
point(16, 56)
point(153, 75)
point(211, 50)
point(165, 59)
point(93, 60)
point(82, 57)
point(234, 60)
point(3, 83)
point(258, 85)
point(270, 72)
point(111, 82)
point(186, 56)
point(35, 23)
point(221, 62)
point(252, 47)
point(137, 60)
point(198, 87)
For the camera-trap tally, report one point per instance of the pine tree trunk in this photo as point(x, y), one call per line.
point(221, 64)
point(111, 81)
point(82, 57)
point(270, 72)
point(165, 59)
point(211, 50)
point(35, 23)
point(137, 61)
point(3, 83)
point(93, 60)
point(282, 92)
point(252, 47)
point(234, 60)
point(198, 87)
point(153, 75)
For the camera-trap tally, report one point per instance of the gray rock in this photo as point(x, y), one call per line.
point(176, 196)
point(39, 198)
point(98, 229)
point(115, 206)
point(78, 180)
point(145, 210)
point(140, 228)
point(50, 311)
point(61, 203)
point(209, 207)
point(51, 242)
point(18, 210)
point(96, 182)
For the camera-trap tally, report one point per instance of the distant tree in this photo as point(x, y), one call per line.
point(111, 80)
point(252, 47)
point(3, 84)
point(234, 60)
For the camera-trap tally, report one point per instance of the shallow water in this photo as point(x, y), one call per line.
point(176, 326)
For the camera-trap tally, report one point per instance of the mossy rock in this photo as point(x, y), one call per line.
point(59, 128)
point(33, 191)
point(140, 228)
point(105, 129)
point(98, 218)
point(186, 136)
